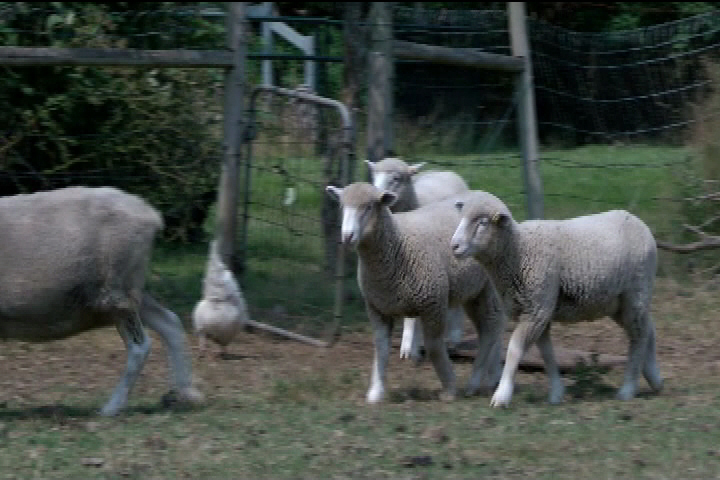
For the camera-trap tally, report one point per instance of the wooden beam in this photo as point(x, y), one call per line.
point(288, 334)
point(113, 57)
point(465, 57)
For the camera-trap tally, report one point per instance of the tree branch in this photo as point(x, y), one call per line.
point(706, 242)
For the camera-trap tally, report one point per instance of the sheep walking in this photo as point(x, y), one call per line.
point(406, 270)
point(75, 259)
point(415, 189)
point(582, 268)
point(222, 312)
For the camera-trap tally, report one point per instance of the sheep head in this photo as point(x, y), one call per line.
point(393, 175)
point(484, 219)
point(361, 204)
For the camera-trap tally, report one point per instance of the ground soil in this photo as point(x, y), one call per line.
point(33, 374)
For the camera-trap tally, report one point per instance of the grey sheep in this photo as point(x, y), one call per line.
point(582, 268)
point(222, 312)
point(75, 259)
point(406, 270)
point(415, 189)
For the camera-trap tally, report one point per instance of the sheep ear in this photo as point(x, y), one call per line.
point(388, 198)
point(459, 205)
point(416, 168)
point(334, 192)
point(500, 219)
point(371, 165)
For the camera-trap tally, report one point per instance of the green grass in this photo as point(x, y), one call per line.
point(305, 426)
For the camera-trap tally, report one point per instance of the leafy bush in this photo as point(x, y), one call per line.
point(154, 132)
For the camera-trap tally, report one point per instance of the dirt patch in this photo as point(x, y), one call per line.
point(90, 364)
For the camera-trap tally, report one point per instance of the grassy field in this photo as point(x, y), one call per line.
point(281, 409)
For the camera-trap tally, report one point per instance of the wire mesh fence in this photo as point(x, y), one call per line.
point(293, 269)
point(620, 115)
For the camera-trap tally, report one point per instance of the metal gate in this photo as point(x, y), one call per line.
point(292, 266)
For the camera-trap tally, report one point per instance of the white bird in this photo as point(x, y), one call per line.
point(222, 312)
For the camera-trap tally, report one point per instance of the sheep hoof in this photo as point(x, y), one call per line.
point(625, 393)
point(110, 410)
point(447, 397)
point(192, 396)
point(657, 386)
point(189, 396)
point(375, 395)
point(501, 398)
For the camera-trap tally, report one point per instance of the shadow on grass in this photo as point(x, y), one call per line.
point(414, 394)
point(59, 412)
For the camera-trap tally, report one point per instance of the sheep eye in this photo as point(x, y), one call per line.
point(480, 224)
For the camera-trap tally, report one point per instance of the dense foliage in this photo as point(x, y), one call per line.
point(150, 131)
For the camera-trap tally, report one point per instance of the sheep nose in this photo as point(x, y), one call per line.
point(457, 248)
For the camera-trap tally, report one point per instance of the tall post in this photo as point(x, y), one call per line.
point(233, 128)
point(527, 118)
point(267, 69)
point(354, 65)
point(380, 69)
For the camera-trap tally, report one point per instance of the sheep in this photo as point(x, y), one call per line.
point(415, 189)
point(222, 312)
point(406, 270)
point(583, 268)
point(75, 259)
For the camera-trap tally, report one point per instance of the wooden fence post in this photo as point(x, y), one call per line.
point(233, 129)
point(380, 70)
point(527, 119)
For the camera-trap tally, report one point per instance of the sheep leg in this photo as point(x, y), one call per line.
point(166, 324)
point(455, 327)
point(650, 369)
point(488, 318)
point(137, 343)
point(526, 333)
point(411, 339)
point(635, 319)
point(382, 330)
point(557, 386)
point(436, 351)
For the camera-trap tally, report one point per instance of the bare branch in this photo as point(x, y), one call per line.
point(709, 196)
point(710, 221)
point(706, 242)
point(695, 230)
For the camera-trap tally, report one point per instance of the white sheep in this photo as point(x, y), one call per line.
point(222, 312)
point(415, 189)
point(405, 269)
point(75, 259)
point(583, 268)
